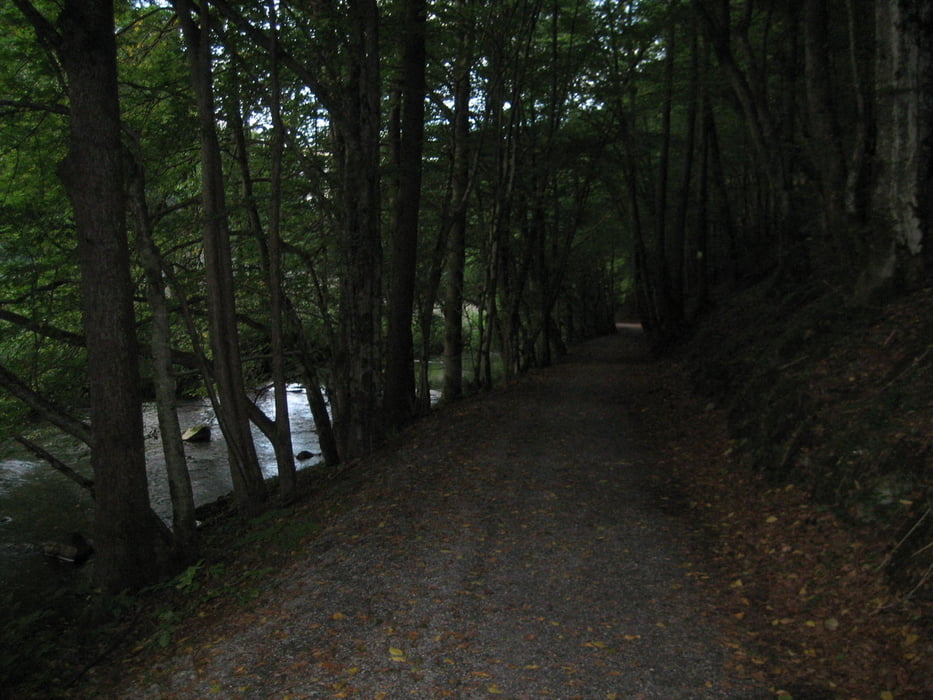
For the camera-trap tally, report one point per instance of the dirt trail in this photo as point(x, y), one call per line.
point(509, 546)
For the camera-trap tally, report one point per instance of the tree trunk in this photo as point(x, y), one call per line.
point(92, 172)
point(184, 526)
point(43, 407)
point(357, 140)
point(858, 184)
point(700, 281)
point(667, 316)
point(279, 436)
point(56, 464)
point(825, 140)
point(904, 155)
point(284, 453)
point(456, 241)
point(762, 124)
point(725, 213)
point(399, 397)
point(233, 413)
point(681, 234)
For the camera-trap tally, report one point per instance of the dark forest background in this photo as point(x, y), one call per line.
point(201, 197)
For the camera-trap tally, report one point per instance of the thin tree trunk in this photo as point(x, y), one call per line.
point(667, 304)
point(645, 276)
point(294, 338)
point(762, 125)
point(184, 526)
point(456, 241)
point(731, 266)
point(284, 453)
point(858, 194)
point(233, 415)
point(681, 234)
point(826, 146)
point(399, 397)
point(700, 278)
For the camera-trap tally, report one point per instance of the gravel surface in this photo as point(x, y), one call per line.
point(511, 545)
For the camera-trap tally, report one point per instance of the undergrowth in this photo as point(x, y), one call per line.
point(46, 653)
point(837, 397)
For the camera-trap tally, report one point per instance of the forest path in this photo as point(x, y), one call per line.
point(514, 545)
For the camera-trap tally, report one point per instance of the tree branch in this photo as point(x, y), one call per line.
point(45, 30)
point(56, 463)
point(44, 407)
point(29, 106)
point(324, 94)
point(42, 329)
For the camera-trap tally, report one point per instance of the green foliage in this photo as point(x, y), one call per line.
point(186, 582)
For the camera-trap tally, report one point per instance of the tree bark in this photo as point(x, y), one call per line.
point(904, 183)
point(399, 405)
point(284, 453)
point(356, 126)
point(667, 312)
point(57, 464)
point(233, 412)
point(681, 234)
point(92, 172)
point(184, 525)
point(825, 140)
point(456, 241)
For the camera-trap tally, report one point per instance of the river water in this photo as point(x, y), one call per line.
point(37, 504)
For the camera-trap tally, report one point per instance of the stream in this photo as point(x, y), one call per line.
point(37, 504)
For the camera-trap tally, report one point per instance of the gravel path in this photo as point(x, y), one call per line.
point(509, 546)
